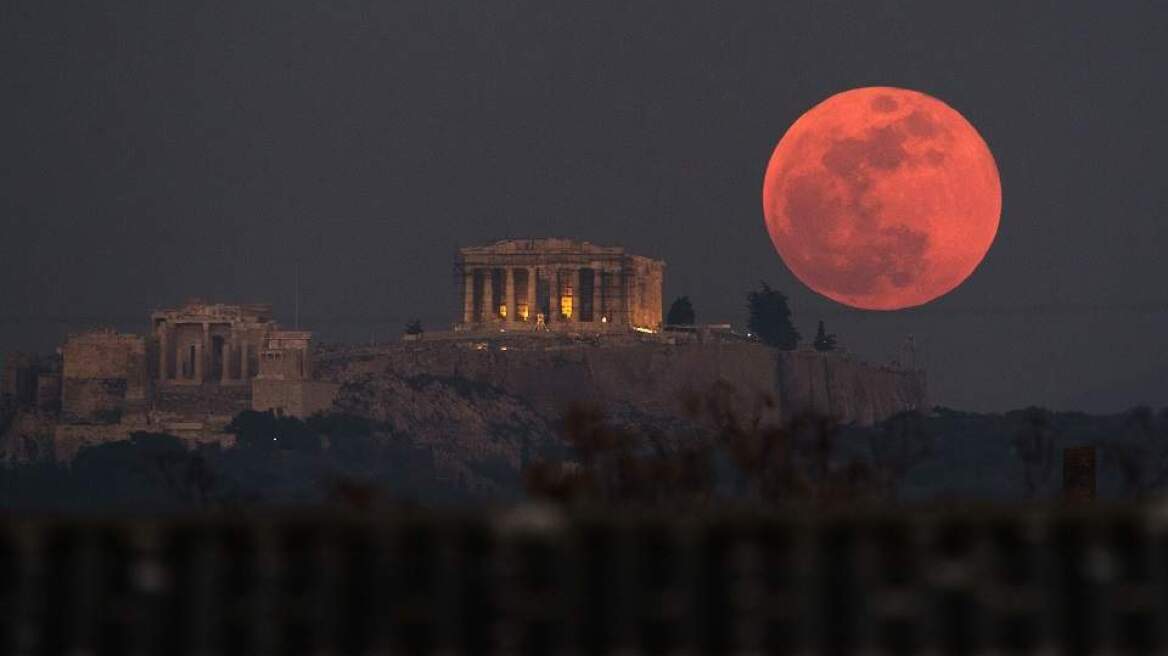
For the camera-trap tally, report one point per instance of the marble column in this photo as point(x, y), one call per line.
point(205, 359)
point(163, 345)
point(228, 351)
point(244, 365)
point(576, 316)
point(509, 283)
point(597, 309)
point(553, 286)
point(531, 285)
point(468, 300)
point(490, 312)
point(198, 363)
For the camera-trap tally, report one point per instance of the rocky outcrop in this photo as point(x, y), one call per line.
point(648, 382)
point(479, 435)
point(839, 386)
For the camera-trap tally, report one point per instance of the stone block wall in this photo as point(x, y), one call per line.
point(93, 400)
point(645, 293)
point(296, 398)
point(104, 377)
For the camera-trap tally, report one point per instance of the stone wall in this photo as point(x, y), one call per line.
point(93, 400)
point(48, 395)
point(645, 293)
point(104, 377)
point(839, 386)
point(213, 404)
point(297, 398)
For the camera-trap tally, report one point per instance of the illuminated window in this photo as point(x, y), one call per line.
point(523, 312)
point(566, 306)
point(503, 310)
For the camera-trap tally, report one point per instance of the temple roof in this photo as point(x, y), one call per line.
point(543, 245)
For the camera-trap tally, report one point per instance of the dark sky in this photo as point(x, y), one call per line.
point(151, 151)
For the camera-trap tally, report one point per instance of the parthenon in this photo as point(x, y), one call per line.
point(558, 284)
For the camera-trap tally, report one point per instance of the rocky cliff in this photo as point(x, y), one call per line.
point(648, 381)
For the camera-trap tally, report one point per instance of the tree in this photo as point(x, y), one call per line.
point(824, 341)
point(414, 327)
point(1034, 442)
point(902, 442)
point(265, 431)
point(770, 318)
point(681, 313)
point(1140, 451)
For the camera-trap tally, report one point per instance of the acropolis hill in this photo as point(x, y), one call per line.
point(541, 324)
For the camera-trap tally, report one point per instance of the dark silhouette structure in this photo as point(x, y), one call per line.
point(824, 341)
point(681, 312)
point(770, 318)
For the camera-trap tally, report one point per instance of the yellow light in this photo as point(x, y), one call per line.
point(503, 311)
point(566, 306)
point(523, 311)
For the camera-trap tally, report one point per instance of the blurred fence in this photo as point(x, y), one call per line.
point(532, 581)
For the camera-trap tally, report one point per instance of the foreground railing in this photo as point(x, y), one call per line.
point(531, 580)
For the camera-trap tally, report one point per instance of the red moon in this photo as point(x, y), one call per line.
point(882, 198)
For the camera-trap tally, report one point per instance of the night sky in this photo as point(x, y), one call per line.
point(154, 151)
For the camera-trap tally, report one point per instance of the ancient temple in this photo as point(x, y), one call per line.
point(202, 343)
point(558, 284)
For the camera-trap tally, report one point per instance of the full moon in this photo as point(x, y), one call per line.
point(882, 198)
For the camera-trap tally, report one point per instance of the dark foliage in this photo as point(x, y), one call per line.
point(681, 312)
point(277, 460)
point(724, 454)
point(1033, 442)
point(414, 327)
point(735, 459)
point(898, 445)
point(770, 318)
point(1140, 451)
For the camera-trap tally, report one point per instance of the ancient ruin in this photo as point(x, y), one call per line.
point(558, 284)
point(286, 381)
point(533, 313)
point(209, 343)
point(196, 368)
point(104, 377)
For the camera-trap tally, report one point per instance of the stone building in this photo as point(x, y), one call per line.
point(286, 356)
point(286, 381)
point(31, 382)
point(18, 379)
point(217, 359)
point(104, 377)
point(558, 284)
point(209, 343)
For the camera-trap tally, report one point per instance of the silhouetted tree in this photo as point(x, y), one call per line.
point(770, 318)
point(1140, 451)
point(185, 473)
point(1034, 444)
point(681, 313)
point(265, 430)
point(414, 327)
point(824, 341)
point(901, 443)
